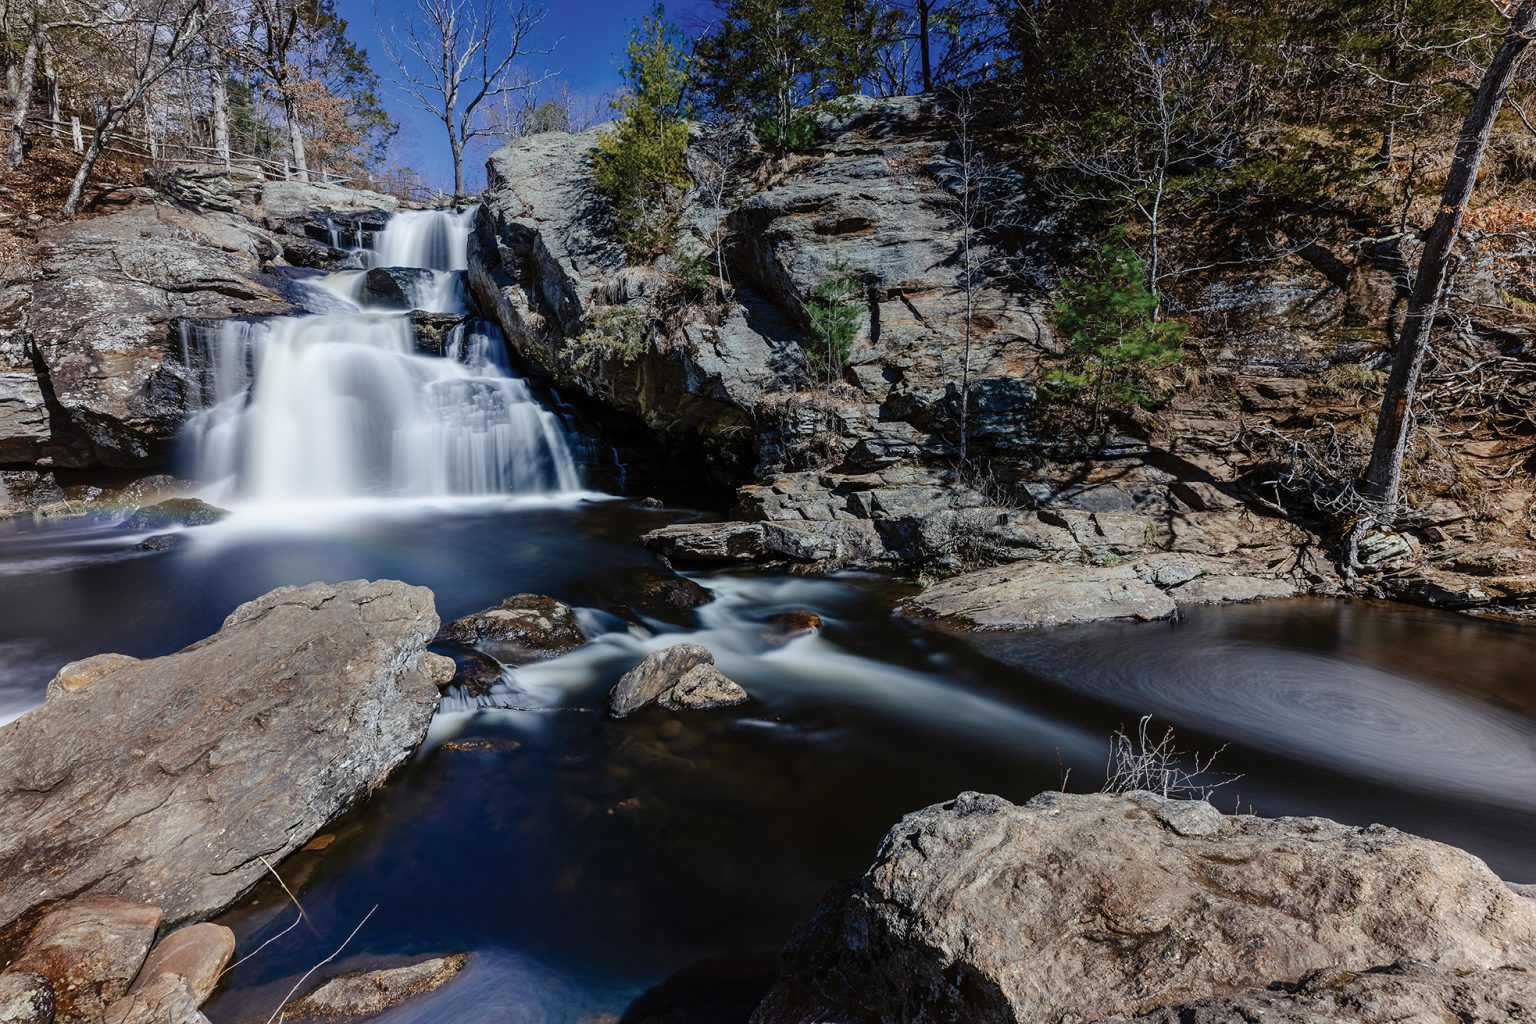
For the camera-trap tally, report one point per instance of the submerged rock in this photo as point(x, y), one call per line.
point(370, 992)
point(1089, 907)
point(523, 628)
point(173, 512)
point(679, 677)
point(89, 950)
point(195, 955)
point(394, 287)
point(171, 779)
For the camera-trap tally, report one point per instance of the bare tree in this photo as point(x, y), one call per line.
point(150, 37)
point(275, 33)
point(1383, 477)
point(455, 55)
point(1182, 111)
point(716, 157)
point(38, 21)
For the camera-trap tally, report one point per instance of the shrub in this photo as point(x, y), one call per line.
point(834, 313)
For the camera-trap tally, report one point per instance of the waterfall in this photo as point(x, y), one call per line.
point(347, 404)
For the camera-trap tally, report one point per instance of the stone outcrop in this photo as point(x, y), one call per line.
point(1026, 595)
point(678, 678)
point(104, 302)
point(166, 780)
point(1094, 907)
point(367, 993)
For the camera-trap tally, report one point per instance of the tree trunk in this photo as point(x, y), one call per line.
point(1383, 478)
point(16, 150)
point(923, 10)
point(51, 79)
point(456, 145)
point(295, 139)
point(220, 93)
point(99, 139)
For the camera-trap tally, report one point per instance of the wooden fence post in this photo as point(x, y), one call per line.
point(74, 125)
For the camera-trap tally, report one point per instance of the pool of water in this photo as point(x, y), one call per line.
point(649, 869)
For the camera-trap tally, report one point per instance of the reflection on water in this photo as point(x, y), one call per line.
point(585, 861)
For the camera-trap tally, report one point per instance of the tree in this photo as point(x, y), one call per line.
point(150, 37)
point(39, 20)
point(768, 61)
point(951, 39)
point(1108, 315)
point(1382, 483)
point(639, 166)
point(456, 55)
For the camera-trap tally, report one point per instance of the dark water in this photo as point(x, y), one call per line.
point(585, 862)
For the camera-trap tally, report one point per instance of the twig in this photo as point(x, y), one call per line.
point(277, 1015)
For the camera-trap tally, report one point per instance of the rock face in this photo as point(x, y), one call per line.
point(89, 950)
point(1091, 907)
point(165, 780)
point(523, 628)
point(1026, 595)
point(679, 677)
point(104, 301)
point(371, 992)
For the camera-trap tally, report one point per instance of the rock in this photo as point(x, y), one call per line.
point(433, 332)
point(677, 677)
point(196, 955)
point(106, 299)
point(702, 687)
point(166, 1000)
point(89, 949)
point(77, 675)
point(25, 425)
point(25, 998)
point(525, 627)
point(173, 512)
point(1407, 990)
point(441, 669)
point(286, 200)
point(1090, 907)
point(1027, 595)
point(367, 993)
point(166, 785)
point(789, 626)
point(394, 287)
point(669, 594)
point(303, 252)
point(708, 543)
point(1226, 589)
point(476, 672)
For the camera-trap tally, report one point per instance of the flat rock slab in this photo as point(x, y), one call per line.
point(166, 781)
point(370, 992)
point(89, 950)
point(1087, 907)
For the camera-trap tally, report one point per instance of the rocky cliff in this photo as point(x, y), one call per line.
point(94, 378)
point(860, 469)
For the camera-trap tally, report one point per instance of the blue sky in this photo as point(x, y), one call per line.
point(591, 35)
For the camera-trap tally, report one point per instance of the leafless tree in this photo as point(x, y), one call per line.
point(1382, 484)
point(36, 21)
point(275, 32)
point(149, 37)
point(1182, 112)
point(452, 56)
point(716, 157)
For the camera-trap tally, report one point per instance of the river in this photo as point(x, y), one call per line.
point(655, 865)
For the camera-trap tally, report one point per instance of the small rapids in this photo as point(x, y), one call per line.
point(346, 404)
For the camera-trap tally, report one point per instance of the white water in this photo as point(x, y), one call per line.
point(341, 404)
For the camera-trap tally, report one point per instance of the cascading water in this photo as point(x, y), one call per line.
point(345, 404)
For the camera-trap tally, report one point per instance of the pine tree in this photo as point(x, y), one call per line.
point(1108, 316)
point(639, 166)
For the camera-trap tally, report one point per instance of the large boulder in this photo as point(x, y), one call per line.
point(168, 780)
point(523, 628)
point(680, 677)
point(25, 998)
point(89, 950)
point(287, 200)
point(105, 300)
point(1086, 907)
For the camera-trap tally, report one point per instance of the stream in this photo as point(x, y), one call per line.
point(653, 867)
